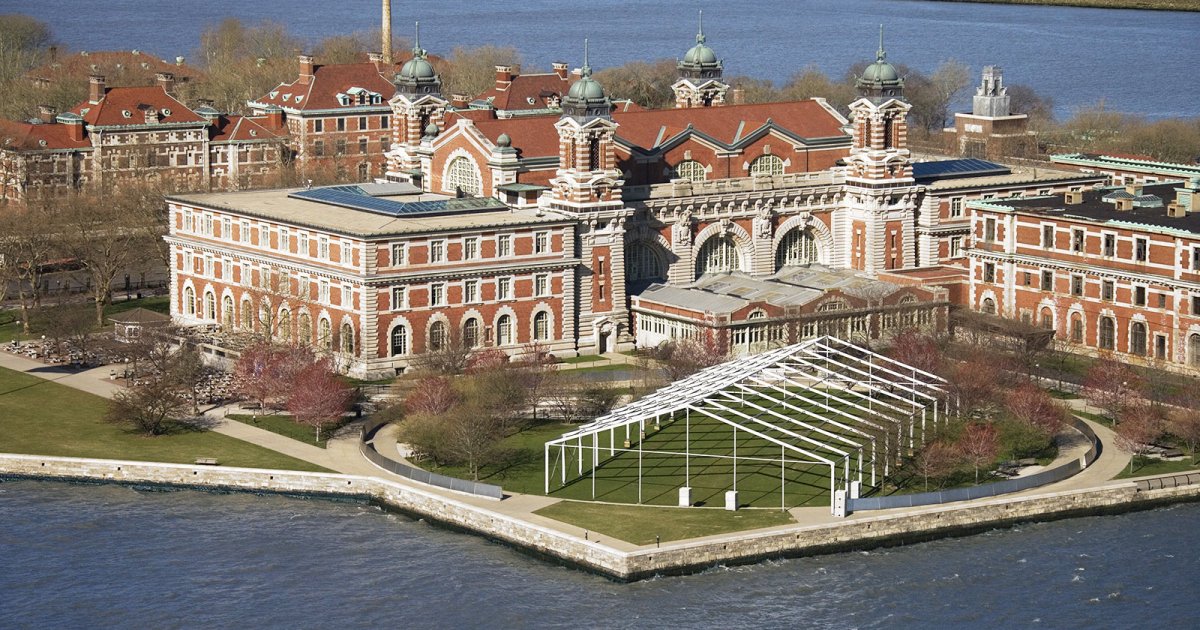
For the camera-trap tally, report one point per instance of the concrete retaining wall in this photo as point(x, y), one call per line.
point(857, 532)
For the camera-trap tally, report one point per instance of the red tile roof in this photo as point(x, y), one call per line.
point(533, 136)
point(115, 65)
point(526, 91)
point(235, 128)
point(128, 106)
point(23, 136)
point(327, 82)
point(727, 124)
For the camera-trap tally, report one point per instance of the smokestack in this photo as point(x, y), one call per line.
point(306, 69)
point(387, 32)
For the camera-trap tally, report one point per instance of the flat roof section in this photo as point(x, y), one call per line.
point(1093, 207)
point(346, 212)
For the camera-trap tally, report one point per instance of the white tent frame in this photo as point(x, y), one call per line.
point(886, 396)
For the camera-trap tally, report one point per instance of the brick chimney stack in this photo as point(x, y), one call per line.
point(166, 81)
point(74, 125)
point(504, 77)
point(560, 68)
point(306, 69)
point(739, 95)
point(47, 113)
point(95, 88)
point(377, 59)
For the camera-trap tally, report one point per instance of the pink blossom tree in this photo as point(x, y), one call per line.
point(319, 397)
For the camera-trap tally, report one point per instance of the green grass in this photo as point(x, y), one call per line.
point(1059, 394)
point(39, 417)
point(287, 427)
point(9, 329)
point(1145, 466)
point(639, 525)
point(522, 471)
point(586, 358)
point(605, 367)
point(1094, 417)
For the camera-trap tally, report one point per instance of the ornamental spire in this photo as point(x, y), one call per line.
point(586, 70)
point(700, 32)
point(880, 54)
point(417, 50)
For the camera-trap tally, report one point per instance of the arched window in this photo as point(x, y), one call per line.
point(690, 170)
point(471, 335)
point(325, 334)
point(247, 314)
point(1076, 328)
point(1108, 333)
point(1137, 338)
point(717, 255)
point(364, 171)
point(1047, 319)
point(463, 175)
point(210, 306)
point(1194, 350)
point(541, 326)
point(504, 330)
point(437, 336)
point(643, 262)
point(766, 165)
point(304, 329)
point(189, 301)
point(347, 334)
point(284, 330)
point(798, 247)
point(989, 306)
point(227, 311)
point(399, 340)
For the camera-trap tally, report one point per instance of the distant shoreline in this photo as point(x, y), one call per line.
point(1146, 5)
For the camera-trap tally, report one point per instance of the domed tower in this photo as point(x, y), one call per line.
point(418, 113)
point(699, 83)
point(881, 193)
point(587, 185)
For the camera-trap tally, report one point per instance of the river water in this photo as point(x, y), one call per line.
point(106, 556)
point(1134, 61)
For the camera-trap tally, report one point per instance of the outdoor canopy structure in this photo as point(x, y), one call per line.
point(823, 403)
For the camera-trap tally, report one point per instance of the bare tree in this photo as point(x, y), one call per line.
point(646, 83)
point(472, 71)
point(936, 460)
point(28, 243)
point(682, 358)
point(1184, 424)
point(1137, 431)
point(1112, 386)
point(432, 395)
point(979, 444)
point(318, 397)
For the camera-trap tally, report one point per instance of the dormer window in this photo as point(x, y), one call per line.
point(299, 98)
point(274, 94)
point(126, 113)
point(166, 112)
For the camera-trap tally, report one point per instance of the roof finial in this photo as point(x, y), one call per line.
point(880, 55)
point(417, 50)
point(586, 70)
point(700, 33)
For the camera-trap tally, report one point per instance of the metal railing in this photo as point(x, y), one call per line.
point(1008, 486)
point(423, 476)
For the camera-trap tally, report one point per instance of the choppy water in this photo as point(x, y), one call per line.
point(104, 556)
point(1135, 61)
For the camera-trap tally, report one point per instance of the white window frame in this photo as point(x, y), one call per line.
point(399, 298)
point(504, 288)
point(399, 254)
point(437, 251)
point(504, 246)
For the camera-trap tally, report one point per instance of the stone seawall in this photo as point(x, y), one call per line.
point(859, 531)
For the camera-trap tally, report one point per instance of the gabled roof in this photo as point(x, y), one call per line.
point(526, 91)
point(728, 125)
point(128, 106)
point(532, 136)
point(116, 65)
point(237, 128)
point(327, 83)
point(24, 136)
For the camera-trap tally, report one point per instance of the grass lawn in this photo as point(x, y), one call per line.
point(1094, 417)
point(9, 317)
point(287, 427)
point(639, 524)
point(523, 471)
point(39, 417)
point(586, 358)
point(1062, 395)
point(1145, 466)
point(633, 370)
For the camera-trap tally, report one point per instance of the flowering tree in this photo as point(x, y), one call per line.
point(266, 372)
point(1139, 427)
point(432, 395)
point(1184, 424)
point(1112, 386)
point(920, 351)
point(979, 444)
point(938, 459)
point(319, 396)
point(1033, 406)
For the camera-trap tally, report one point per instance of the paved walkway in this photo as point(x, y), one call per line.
point(342, 455)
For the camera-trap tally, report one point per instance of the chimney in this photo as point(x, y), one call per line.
point(95, 88)
point(386, 33)
point(739, 95)
point(1073, 197)
point(504, 76)
point(560, 68)
point(47, 113)
point(459, 101)
point(74, 127)
point(274, 117)
point(166, 81)
point(151, 115)
point(377, 59)
point(1134, 189)
point(306, 69)
point(53, 54)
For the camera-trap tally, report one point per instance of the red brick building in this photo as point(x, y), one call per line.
point(1112, 270)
